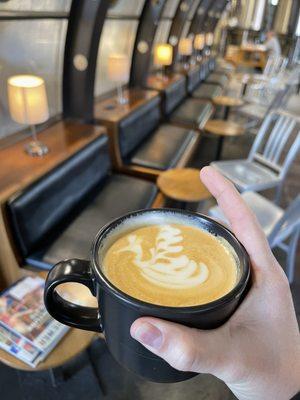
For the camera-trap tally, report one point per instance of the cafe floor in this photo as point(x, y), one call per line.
point(77, 380)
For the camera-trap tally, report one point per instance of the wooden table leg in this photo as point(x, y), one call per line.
point(226, 113)
point(219, 148)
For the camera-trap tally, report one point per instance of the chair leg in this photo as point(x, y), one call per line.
point(278, 193)
point(291, 256)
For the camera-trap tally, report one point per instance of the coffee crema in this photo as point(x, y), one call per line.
point(171, 265)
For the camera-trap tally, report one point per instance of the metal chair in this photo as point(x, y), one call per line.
point(282, 228)
point(266, 166)
point(266, 99)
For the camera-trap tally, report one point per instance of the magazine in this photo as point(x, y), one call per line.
point(20, 348)
point(25, 322)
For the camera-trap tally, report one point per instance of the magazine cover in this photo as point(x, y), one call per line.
point(22, 311)
point(18, 347)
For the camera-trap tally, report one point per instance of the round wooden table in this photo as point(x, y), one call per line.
point(70, 345)
point(73, 343)
point(183, 185)
point(227, 102)
point(222, 129)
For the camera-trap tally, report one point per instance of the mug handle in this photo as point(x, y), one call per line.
point(76, 316)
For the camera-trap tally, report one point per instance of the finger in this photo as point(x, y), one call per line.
point(185, 349)
point(242, 220)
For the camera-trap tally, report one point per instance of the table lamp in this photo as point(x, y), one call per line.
point(185, 49)
point(209, 40)
point(27, 101)
point(118, 70)
point(163, 56)
point(199, 44)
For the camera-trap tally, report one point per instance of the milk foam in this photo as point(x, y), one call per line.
point(165, 267)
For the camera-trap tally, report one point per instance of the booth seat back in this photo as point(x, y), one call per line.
point(194, 78)
point(138, 125)
point(174, 95)
point(42, 208)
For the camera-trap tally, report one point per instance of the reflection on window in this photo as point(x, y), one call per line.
point(36, 5)
point(170, 8)
point(162, 32)
point(31, 47)
point(118, 36)
point(126, 7)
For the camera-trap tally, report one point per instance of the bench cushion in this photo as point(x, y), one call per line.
point(207, 91)
point(164, 148)
point(37, 212)
point(192, 112)
point(119, 195)
point(215, 77)
point(138, 125)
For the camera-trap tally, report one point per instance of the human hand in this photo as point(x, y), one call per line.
point(257, 352)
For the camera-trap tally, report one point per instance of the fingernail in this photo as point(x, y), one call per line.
point(148, 335)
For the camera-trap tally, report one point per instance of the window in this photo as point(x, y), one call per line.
point(162, 32)
point(118, 36)
point(170, 8)
point(36, 5)
point(31, 47)
point(126, 8)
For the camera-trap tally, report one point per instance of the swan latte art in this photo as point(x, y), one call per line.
point(171, 265)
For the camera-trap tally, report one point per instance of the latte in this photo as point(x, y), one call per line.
point(171, 265)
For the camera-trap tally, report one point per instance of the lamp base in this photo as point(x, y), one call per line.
point(121, 98)
point(36, 149)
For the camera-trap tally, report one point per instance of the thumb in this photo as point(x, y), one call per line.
point(185, 349)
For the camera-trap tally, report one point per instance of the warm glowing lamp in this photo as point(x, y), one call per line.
point(199, 41)
point(118, 71)
point(27, 100)
point(185, 47)
point(163, 56)
point(209, 39)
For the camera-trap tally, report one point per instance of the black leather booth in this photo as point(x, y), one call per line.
point(217, 78)
point(207, 91)
point(182, 110)
point(142, 141)
point(58, 216)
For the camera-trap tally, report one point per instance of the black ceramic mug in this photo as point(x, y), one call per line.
point(117, 310)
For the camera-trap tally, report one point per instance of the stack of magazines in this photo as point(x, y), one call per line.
point(27, 331)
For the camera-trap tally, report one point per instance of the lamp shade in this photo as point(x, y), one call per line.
point(163, 54)
point(199, 41)
point(27, 99)
point(209, 39)
point(118, 67)
point(185, 46)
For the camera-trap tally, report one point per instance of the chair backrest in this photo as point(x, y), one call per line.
point(287, 223)
point(38, 212)
point(275, 65)
point(277, 142)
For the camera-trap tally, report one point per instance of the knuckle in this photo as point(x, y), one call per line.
point(184, 357)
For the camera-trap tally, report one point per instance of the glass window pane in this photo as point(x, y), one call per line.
point(31, 47)
point(118, 36)
point(36, 5)
point(127, 7)
point(170, 8)
point(193, 9)
point(162, 31)
point(186, 28)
